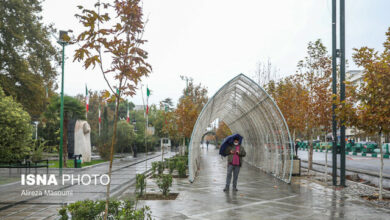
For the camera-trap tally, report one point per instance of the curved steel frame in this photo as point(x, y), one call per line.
point(207, 133)
point(249, 110)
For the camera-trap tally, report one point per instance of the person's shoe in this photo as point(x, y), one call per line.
point(235, 189)
point(226, 189)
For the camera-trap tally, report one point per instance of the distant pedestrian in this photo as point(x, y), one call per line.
point(135, 151)
point(235, 154)
point(207, 144)
point(296, 147)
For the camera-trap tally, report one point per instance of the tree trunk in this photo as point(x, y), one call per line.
point(381, 169)
point(310, 158)
point(326, 162)
point(65, 142)
point(184, 146)
point(111, 157)
point(326, 166)
point(131, 149)
point(293, 141)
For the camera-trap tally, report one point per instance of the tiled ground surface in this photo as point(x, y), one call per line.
point(15, 206)
point(260, 196)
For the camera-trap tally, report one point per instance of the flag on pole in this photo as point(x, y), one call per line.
point(128, 114)
point(86, 98)
point(147, 100)
point(100, 117)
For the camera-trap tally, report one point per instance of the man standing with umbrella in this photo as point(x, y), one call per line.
point(235, 153)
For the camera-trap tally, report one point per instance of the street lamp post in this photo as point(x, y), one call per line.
point(342, 90)
point(186, 78)
point(36, 129)
point(63, 41)
point(338, 53)
point(334, 92)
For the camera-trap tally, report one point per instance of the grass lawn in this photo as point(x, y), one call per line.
point(70, 163)
point(5, 180)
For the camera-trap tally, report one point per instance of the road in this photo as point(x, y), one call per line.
point(368, 164)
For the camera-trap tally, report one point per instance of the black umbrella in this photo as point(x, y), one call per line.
point(227, 142)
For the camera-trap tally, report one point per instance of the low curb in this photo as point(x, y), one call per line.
point(362, 154)
point(352, 170)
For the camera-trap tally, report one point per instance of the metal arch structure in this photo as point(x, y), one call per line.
point(247, 109)
point(207, 133)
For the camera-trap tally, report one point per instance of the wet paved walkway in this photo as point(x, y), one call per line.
point(15, 206)
point(260, 196)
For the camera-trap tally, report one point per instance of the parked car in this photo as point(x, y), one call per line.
point(365, 147)
point(369, 147)
point(385, 149)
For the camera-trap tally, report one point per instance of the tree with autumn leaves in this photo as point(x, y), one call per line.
point(117, 38)
point(367, 106)
point(292, 97)
point(223, 131)
point(189, 107)
point(315, 72)
point(304, 98)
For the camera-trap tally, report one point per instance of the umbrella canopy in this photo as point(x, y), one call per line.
point(227, 142)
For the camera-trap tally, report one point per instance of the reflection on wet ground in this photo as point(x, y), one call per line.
point(14, 205)
point(260, 196)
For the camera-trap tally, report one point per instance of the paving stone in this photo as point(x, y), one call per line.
point(260, 196)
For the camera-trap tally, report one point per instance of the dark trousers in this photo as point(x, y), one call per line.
point(235, 170)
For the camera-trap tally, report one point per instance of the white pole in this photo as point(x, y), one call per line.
point(36, 129)
point(326, 165)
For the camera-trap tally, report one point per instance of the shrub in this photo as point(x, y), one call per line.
point(104, 150)
point(164, 181)
point(166, 162)
point(171, 166)
point(184, 159)
point(180, 158)
point(125, 137)
point(154, 167)
point(15, 129)
point(160, 167)
point(140, 183)
point(174, 159)
point(63, 213)
point(181, 168)
point(89, 209)
point(37, 150)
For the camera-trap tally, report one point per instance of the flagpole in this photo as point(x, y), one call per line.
point(99, 118)
point(86, 102)
point(147, 120)
point(128, 113)
point(143, 102)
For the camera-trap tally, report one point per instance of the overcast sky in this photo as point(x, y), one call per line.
point(214, 40)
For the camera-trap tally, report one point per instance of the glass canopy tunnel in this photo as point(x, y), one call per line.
point(247, 109)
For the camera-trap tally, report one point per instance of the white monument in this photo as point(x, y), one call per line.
point(82, 140)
